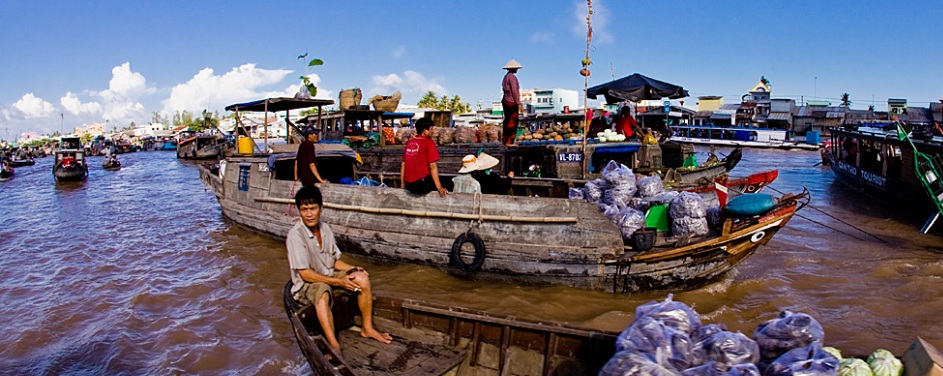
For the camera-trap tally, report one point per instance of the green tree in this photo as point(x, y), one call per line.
point(454, 104)
point(156, 117)
point(428, 100)
point(871, 108)
point(85, 138)
point(845, 101)
point(764, 80)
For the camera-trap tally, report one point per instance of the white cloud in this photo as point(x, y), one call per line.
point(34, 107)
point(542, 38)
point(208, 90)
point(71, 103)
point(121, 99)
point(599, 22)
point(399, 52)
point(411, 82)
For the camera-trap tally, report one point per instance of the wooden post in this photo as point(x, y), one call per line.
point(265, 129)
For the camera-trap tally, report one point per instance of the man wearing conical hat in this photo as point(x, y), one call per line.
point(511, 101)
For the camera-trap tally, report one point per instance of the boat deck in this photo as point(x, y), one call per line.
point(412, 352)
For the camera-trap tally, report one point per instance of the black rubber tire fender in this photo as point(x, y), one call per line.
point(456, 255)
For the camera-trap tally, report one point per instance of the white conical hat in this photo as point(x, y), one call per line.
point(513, 64)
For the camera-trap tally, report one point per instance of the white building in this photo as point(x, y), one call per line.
point(555, 101)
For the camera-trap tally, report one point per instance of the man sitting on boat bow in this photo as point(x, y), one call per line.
point(317, 268)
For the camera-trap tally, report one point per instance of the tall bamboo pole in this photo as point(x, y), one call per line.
point(585, 73)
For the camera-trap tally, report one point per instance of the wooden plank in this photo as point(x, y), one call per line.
point(367, 356)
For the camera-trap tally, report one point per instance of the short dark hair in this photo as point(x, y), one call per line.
point(423, 124)
point(308, 195)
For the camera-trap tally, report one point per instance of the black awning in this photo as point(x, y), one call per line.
point(278, 104)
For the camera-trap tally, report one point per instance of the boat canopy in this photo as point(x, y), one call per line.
point(278, 104)
point(635, 88)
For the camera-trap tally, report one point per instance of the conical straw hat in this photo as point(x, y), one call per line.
point(513, 64)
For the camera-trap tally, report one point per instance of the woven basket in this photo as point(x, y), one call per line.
point(350, 97)
point(386, 103)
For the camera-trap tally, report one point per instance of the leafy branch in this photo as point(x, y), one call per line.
point(305, 81)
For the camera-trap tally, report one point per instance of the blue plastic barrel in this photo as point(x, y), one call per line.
point(812, 137)
point(750, 204)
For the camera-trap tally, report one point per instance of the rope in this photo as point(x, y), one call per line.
point(832, 217)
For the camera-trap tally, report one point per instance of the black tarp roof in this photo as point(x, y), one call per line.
point(279, 104)
point(635, 88)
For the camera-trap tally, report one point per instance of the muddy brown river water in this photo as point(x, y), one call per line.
point(137, 272)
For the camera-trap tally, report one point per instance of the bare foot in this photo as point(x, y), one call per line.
point(382, 337)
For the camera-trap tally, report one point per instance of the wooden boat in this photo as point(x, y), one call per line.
point(70, 163)
point(527, 237)
point(111, 164)
point(879, 160)
point(717, 193)
point(541, 240)
point(737, 136)
point(432, 339)
point(194, 145)
point(22, 162)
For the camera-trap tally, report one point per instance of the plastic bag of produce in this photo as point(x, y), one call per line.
point(618, 173)
point(706, 369)
point(595, 189)
point(621, 194)
point(444, 136)
point(651, 336)
point(613, 212)
point(804, 361)
point(629, 363)
point(631, 221)
point(465, 135)
point(731, 348)
point(688, 226)
point(664, 197)
point(854, 367)
point(577, 193)
point(746, 369)
point(883, 363)
point(688, 204)
point(674, 314)
point(714, 219)
point(404, 135)
point(650, 186)
point(705, 331)
point(789, 331)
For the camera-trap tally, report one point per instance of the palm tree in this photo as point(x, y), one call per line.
point(764, 80)
point(845, 102)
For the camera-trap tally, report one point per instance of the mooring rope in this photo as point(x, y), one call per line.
point(832, 217)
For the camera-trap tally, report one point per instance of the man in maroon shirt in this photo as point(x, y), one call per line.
point(305, 169)
point(419, 173)
point(511, 101)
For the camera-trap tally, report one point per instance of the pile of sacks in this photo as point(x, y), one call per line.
point(624, 200)
point(667, 338)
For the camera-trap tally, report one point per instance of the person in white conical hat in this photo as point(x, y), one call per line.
point(491, 181)
point(511, 100)
point(464, 182)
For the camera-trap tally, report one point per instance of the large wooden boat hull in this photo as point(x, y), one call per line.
point(432, 339)
point(537, 240)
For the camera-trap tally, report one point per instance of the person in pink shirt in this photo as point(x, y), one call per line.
point(511, 100)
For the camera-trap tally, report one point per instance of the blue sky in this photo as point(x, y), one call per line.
point(122, 60)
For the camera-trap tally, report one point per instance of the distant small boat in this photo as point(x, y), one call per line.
point(736, 136)
point(22, 162)
point(111, 164)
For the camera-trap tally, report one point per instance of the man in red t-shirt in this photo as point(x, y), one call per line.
point(418, 172)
